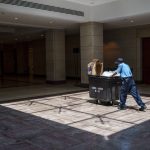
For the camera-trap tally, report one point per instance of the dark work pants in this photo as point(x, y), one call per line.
point(129, 86)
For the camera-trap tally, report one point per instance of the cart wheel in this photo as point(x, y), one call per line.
point(116, 102)
point(96, 101)
point(112, 103)
point(99, 101)
point(108, 103)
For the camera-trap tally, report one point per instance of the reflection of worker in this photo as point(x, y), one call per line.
point(127, 85)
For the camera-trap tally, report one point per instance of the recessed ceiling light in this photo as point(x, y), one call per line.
point(16, 18)
point(2, 13)
point(92, 2)
point(131, 21)
point(51, 21)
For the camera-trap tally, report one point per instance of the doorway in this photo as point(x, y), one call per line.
point(145, 60)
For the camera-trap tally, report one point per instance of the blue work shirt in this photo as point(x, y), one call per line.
point(124, 70)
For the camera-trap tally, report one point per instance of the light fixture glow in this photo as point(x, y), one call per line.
point(131, 21)
point(16, 18)
point(92, 2)
point(51, 21)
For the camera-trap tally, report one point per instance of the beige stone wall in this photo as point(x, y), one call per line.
point(126, 43)
point(55, 55)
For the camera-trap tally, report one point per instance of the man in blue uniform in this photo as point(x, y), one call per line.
point(127, 85)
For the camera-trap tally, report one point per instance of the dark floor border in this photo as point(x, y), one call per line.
point(41, 96)
point(56, 82)
point(147, 95)
point(73, 78)
point(83, 85)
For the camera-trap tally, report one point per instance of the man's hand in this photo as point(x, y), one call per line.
point(114, 74)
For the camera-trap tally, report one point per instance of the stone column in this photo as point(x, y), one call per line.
point(91, 41)
point(55, 56)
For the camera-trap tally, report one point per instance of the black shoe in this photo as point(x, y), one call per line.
point(142, 108)
point(122, 107)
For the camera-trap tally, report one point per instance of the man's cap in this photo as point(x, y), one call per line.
point(118, 61)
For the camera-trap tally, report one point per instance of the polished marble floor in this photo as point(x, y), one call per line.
point(45, 117)
point(73, 122)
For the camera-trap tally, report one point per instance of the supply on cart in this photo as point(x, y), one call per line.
point(95, 67)
point(109, 74)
